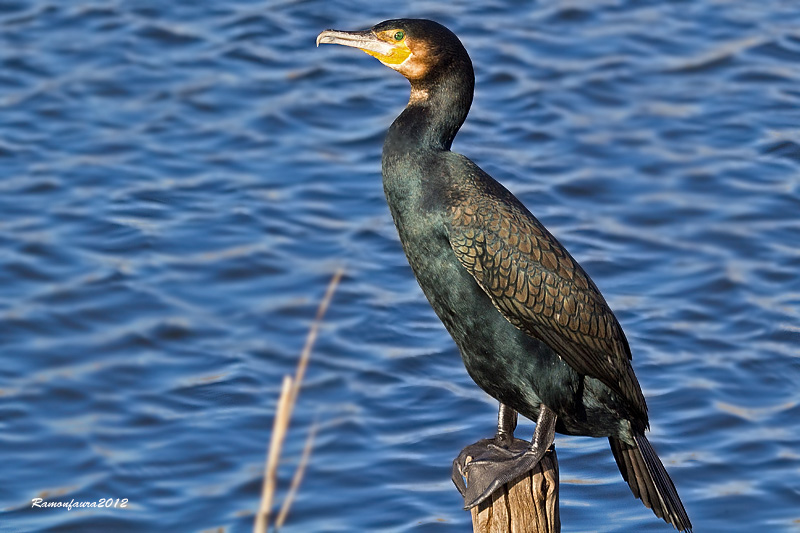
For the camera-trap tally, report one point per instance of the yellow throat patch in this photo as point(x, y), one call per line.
point(399, 51)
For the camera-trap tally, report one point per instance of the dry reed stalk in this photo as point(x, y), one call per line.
point(279, 428)
point(298, 477)
point(312, 335)
point(289, 391)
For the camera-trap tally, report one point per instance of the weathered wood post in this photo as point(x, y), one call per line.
point(529, 504)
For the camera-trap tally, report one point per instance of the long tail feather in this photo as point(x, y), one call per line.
point(649, 481)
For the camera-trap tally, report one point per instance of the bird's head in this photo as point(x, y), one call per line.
point(418, 49)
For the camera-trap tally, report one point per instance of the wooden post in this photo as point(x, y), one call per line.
point(529, 504)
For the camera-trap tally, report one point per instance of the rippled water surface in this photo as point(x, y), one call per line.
point(179, 180)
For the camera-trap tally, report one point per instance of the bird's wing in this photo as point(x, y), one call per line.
point(540, 288)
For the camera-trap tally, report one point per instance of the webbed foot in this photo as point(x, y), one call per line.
point(495, 462)
point(487, 476)
point(483, 460)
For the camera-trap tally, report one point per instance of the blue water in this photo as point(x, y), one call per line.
point(179, 180)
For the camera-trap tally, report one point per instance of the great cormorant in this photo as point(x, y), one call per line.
point(533, 330)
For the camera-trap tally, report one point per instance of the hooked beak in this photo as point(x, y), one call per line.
point(365, 40)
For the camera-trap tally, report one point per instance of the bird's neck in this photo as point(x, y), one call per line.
point(435, 112)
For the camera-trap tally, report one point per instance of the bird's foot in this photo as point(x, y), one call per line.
point(492, 465)
point(478, 449)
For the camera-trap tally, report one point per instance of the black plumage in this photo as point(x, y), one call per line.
point(533, 330)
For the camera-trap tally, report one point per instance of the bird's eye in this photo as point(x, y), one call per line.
point(398, 36)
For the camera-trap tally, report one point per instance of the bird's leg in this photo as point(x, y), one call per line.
point(506, 424)
point(486, 448)
point(498, 465)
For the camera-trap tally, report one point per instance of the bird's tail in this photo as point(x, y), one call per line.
point(649, 481)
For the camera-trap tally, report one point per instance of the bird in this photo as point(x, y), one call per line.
point(532, 328)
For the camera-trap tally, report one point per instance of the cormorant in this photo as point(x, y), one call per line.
point(533, 330)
